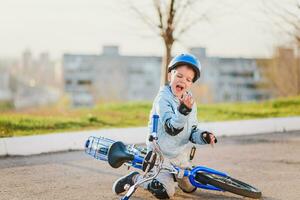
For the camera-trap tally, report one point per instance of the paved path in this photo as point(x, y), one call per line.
point(270, 162)
point(37, 144)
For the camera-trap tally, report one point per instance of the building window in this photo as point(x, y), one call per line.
point(250, 85)
point(68, 82)
point(84, 82)
point(226, 96)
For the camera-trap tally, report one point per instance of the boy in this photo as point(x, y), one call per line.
point(177, 127)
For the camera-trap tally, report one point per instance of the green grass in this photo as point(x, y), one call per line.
point(108, 115)
point(239, 111)
point(5, 105)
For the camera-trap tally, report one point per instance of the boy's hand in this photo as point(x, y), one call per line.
point(209, 138)
point(186, 104)
point(187, 100)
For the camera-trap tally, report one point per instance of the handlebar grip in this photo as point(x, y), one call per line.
point(155, 118)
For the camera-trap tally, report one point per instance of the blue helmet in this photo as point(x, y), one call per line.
point(186, 59)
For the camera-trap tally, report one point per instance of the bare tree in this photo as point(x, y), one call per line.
point(173, 20)
point(287, 18)
point(281, 72)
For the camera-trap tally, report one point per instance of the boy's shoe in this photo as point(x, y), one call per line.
point(119, 185)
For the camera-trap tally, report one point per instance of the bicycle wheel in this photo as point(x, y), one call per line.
point(228, 184)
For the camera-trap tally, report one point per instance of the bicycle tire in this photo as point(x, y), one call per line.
point(228, 184)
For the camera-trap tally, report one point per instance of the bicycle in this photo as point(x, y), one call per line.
point(152, 162)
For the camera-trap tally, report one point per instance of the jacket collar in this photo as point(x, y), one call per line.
point(169, 90)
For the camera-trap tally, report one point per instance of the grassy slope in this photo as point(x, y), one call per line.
point(45, 120)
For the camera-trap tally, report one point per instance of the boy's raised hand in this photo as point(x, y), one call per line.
point(186, 104)
point(187, 100)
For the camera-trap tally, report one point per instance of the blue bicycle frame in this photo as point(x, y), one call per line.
point(138, 161)
point(151, 163)
point(98, 148)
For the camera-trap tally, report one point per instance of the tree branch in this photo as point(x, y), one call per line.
point(171, 14)
point(283, 16)
point(157, 6)
point(191, 24)
point(181, 12)
point(145, 19)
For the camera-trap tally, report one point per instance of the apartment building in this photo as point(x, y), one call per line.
point(112, 76)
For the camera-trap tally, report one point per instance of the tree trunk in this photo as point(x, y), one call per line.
point(164, 67)
point(298, 69)
point(297, 64)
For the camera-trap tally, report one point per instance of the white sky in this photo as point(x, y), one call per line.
point(237, 28)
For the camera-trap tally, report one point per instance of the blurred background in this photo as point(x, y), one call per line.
point(84, 62)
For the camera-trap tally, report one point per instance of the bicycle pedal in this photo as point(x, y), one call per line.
point(149, 161)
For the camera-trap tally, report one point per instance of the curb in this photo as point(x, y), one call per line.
point(30, 145)
point(37, 144)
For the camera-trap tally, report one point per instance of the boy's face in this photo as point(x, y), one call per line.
point(181, 80)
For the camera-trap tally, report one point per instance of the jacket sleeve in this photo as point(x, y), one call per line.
point(196, 133)
point(172, 120)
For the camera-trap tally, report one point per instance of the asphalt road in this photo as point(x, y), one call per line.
point(270, 162)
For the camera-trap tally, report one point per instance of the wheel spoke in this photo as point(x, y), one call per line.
point(228, 180)
point(228, 184)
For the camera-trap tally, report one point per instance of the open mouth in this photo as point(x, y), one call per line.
point(179, 88)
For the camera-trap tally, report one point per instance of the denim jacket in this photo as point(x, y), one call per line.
point(166, 106)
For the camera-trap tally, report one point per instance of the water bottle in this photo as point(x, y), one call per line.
point(98, 147)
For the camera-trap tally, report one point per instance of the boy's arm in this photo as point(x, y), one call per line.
point(173, 119)
point(200, 136)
